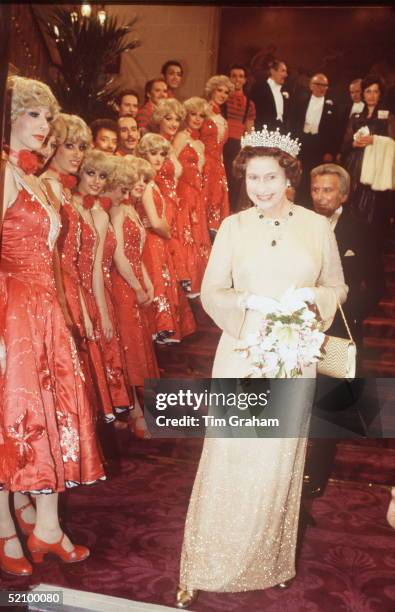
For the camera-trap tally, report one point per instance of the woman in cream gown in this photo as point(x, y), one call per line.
point(241, 526)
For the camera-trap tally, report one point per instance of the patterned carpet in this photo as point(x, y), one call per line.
point(134, 523)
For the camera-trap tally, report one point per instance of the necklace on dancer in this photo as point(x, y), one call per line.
point(278, 225)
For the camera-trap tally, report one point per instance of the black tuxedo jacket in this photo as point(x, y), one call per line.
point(266, 114)
point(328, 129)
point(363, 272)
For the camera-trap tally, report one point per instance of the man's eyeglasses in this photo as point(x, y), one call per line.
point(320, 84)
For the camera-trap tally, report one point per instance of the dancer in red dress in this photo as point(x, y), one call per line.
point(73, 138)
point(108, 333)
point(132, 288)
point(168, 116)
point(93, 174)
point(157, 218)
point(192, 218)
point(214, 134)
point(160, 254)
point(47, 433)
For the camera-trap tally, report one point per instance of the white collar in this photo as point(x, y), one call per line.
point(273, 83)
point(335, 217)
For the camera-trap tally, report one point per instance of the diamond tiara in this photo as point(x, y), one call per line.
point(264, 138)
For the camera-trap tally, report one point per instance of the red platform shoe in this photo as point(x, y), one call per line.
point(17, 567)
point(38, 548)
point(26, 528)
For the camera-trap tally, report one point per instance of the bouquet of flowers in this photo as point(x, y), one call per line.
point(287, 340)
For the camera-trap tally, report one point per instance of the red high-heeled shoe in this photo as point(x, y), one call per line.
point(26, 528)
point(38, 548)
point(17, 567)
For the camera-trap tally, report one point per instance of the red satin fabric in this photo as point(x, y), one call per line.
point(133, 320)
point(47, 430)
point(215, 183)
point(192, 220)
point(112, 351)
point(85, 268)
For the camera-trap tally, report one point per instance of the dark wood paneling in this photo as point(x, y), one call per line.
point(343, 42)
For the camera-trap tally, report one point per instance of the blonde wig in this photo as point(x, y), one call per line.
point(152, 143)
point(197, 105)
point(71, 128)
point(216, 81)
point(96, 160)
point(143, 168)
point(166, 107)
point(28, 94)
point(124, 172)
point(58, 129)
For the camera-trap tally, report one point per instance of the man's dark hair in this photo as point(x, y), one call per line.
point(239, 67)
point(169, 63)
point(274, 64)
point(127, 92)
point(103, 124)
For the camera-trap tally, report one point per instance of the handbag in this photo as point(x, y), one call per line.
point(339, 359)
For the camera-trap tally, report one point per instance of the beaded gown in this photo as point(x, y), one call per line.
point(166, 183)
point(85, 268)
point(214, 134)
point(112, 351)
point(242, 521)
point(160, 267)
point(47, 430)
point(133, 320)
point(192, 218)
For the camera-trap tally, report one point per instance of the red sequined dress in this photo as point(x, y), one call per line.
point(166, 183)
point(85, 268)
point(47, 428)
point(68, 244)
point(160, 267)
point(113, 353)
point(214, 134)
point(133, 320)
point(192, 220)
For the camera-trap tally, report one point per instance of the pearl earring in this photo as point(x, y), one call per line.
point(288, 183)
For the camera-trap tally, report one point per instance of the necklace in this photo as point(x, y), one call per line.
point(277, 225)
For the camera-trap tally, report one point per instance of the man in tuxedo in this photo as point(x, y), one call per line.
point(271, 99)
point(364, 275)
point(353, 105)
point(362, 265)
point(314, 121)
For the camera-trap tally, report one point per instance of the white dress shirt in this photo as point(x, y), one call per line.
point(357, 107)
point(313, 114)
point(278, 98)
point(335, 217)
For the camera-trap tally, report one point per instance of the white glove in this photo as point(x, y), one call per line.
point(262, 304)
point(304, 294)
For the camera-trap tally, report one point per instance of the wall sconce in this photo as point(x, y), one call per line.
point(101, 17)
point(86, 10)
